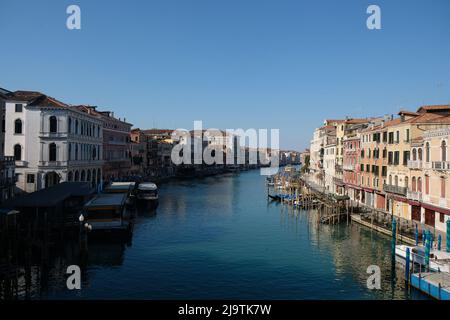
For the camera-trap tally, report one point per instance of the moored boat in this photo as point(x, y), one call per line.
point(107, 212)
point(147, 193)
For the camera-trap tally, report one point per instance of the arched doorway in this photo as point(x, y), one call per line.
point(51, 178)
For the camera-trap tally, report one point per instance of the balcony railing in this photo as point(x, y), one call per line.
point(415, 164)
point(441, 165)
point(414, 195)
point(395, 189)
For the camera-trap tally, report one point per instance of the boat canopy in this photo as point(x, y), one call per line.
point(120, 186)
point(147, 186)
point(106, 200)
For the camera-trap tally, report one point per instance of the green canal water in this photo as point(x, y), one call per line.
point(220, 237)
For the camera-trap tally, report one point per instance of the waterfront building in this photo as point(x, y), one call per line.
point(304, 157)
point(7, 178)
point(316, 156)
point(159, 150)
point(51, 141)
point(116, 143)
point(373, 163)
point(341, 126)
point(3, 97)
point(351, 164)
point(329, 160)
point(403, 137)
point(431, 204)
point(139, 151)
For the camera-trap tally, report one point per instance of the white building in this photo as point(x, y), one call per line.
point(329, 163)
point(51, 141)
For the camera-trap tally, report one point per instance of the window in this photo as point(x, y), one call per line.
point(405, 157)
point(397, 139)
point(414, 155)
point(443, 151)
point(427, 152)
point(385, 136)
point(419, 184)
point(367, 167)
point(53, 124)
point(52, 152)
point(396, 181)
point(362, 168)
point(413, 184)
point(384, 171)
point(30, 178)
point(391, 137)
point(406, 182)
point(419, 154)
point(427, 184)
point(18, 107)
point(384, 153)
point(396, 157)
point(407, 135)
point(441, 217)
point(362, 153)
point(17, 152)
point(18, 126)
point(442, 187)
point(390, 157)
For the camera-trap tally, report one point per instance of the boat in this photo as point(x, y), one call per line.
point(107, 212)
point(147, 192)
point(439, 260)
point(275, 197)
point(120, 187)
point(127, 188)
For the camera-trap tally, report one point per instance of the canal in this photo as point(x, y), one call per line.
point(218, 238)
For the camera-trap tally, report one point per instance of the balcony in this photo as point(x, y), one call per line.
point(440, 165)
point(52, 135)
point(414, 195)
point(395, 189)
point(349, 167)
point(415, 164)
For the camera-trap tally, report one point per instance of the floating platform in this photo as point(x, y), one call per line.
point(434, 284)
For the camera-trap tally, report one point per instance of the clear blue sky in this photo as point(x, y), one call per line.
point(231, 63)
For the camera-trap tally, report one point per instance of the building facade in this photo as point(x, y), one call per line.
point(51, 141)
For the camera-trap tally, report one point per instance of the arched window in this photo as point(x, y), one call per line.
point(76, 126)
point(419, 154)
point(52, 152)
point(76, 151)
point(427, 152)
point(413, 184)
point(83, 175)
point(53, 124)
point(414, 155)
point(419, 184)
point(18, 126)
point(390, 180)
point(94, 153)
point(70, 125)
point(70, 176)
point(396, 181)
point(406, 182)
point(77, 176)
point(443, 150)
point(17, 152)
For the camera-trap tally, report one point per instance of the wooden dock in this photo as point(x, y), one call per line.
point(356, 218)
point(434, 284)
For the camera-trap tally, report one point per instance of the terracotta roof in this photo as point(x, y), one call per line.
point(36, 99)
point(158, 131)
point(431, 108)
point(24, 95)
point(430, 118)
point(408, 113)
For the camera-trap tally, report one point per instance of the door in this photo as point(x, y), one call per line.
point(415, 213)
point(429, 217)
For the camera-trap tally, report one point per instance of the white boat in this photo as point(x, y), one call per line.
point(439, 260)
point(148, 192)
